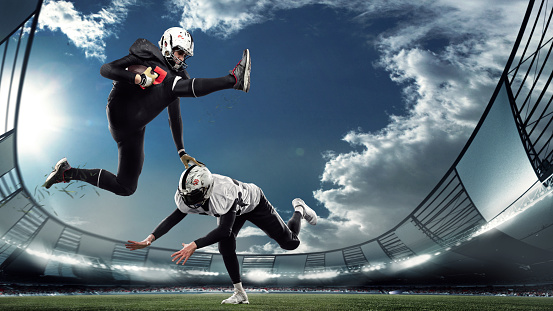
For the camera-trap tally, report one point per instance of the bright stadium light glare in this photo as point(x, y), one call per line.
point(66, 260)
point(415, 261)
point(260, 275)
point(511, 213)
point(319, 275)
point(59, 258)
point(199, 272)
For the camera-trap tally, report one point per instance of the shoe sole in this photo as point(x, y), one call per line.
point(313, 220)
point(247, 71)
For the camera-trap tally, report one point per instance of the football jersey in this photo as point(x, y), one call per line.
point(129, 106)
point(225, 191)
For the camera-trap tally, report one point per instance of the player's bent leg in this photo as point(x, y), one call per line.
point(238, 78)
point(198, 87)
point(97, 177)
point(289, 244)
point(227, 249)
point(110, 182)
point(294, 223)
point(130, 147)
point(266, 218)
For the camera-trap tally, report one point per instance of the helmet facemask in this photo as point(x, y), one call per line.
point(173, 59)
point(195, 186)
point(194, 199)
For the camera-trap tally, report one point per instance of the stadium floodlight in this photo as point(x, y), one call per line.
point(415, 261)
point(260, 275)
point(319, 275)
point(200, 272)
point(63, 258)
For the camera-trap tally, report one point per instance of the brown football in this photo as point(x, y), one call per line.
point(138, 69)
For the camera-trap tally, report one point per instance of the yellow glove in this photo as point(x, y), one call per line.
point(185, 158)
point(147, 77)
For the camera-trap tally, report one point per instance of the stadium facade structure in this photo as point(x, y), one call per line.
point(488, 220)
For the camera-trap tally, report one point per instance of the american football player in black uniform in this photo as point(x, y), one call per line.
point(232, 202)
point(138, 97)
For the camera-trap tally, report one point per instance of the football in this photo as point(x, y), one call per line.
point(138, 69)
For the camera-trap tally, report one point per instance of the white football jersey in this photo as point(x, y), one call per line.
point(225, 191)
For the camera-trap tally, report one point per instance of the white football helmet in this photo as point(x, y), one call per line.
point(174, 39)
point(195, 186)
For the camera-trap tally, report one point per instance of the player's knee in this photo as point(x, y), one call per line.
point(227, 249)
point(126, 191)
point(290, 245)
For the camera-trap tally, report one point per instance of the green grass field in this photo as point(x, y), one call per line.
point(276, 302)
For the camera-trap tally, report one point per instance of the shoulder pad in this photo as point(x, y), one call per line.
point(145, 49)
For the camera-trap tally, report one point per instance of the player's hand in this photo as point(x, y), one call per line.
point(185, 158)
point(185, 253)
point(133, 245)
point(148, 77)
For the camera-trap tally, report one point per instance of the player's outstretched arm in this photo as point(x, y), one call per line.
point(163, 227)
point(133, 245)
point(185, 253)
point(175, 124)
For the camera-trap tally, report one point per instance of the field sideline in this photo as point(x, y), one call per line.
point(276, 302)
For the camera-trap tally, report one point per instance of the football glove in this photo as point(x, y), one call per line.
point(147, 78)
point(185, 158)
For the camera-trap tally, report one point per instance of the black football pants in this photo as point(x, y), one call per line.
point(266, 218)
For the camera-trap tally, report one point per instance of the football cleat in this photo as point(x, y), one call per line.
point(242, 72)
point(308, 213)
point(239, 297)
point(57, 174)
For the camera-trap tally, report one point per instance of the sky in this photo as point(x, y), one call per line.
point(357, 107)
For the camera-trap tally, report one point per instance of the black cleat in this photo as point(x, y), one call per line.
point(57, 174)
point(242, 72)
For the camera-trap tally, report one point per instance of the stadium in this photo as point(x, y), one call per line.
point(487, 222)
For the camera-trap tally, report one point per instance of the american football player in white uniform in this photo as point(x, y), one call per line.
point(232, 202)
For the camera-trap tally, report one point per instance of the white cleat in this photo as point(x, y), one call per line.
point(239, 297)
point(308, 213)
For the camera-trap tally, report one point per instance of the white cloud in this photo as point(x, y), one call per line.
point(87, 32)
point(267, 248)
point(220, 17)
point(368, 192)
point(227, 17)
point(250, 231)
